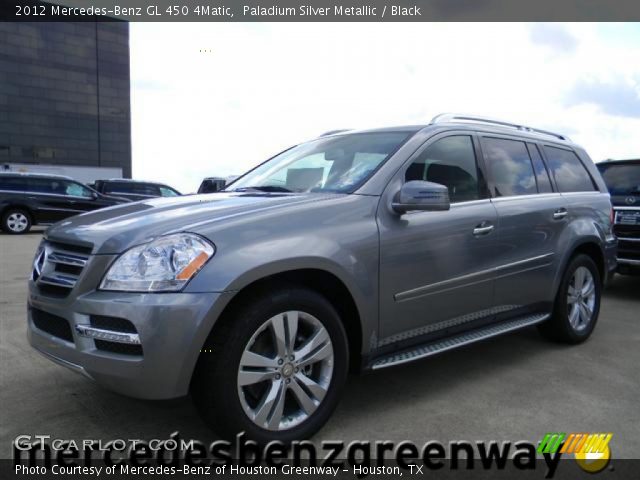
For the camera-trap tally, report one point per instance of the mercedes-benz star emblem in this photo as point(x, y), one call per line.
point(630, 200)
point(38, 263)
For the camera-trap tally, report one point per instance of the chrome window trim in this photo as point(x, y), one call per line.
point(525, 197)
point(28, 192)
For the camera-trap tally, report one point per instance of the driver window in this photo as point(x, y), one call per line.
point(450, 161)
point(76, 190)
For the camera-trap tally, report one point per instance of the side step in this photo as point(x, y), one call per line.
point(458, 340)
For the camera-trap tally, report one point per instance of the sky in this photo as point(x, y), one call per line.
point(215, 99)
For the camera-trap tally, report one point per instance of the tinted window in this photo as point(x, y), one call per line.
point(45, 185)
point(542, 176)
point(14, 184)
point(132, 188)
point(509, 166)
point(568, 170)
point(77, 190)
point(168, 192)
point(621, 179)
point(450, 161)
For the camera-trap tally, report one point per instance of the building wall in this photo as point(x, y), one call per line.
point(64, 94)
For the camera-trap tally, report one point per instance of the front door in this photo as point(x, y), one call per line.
point(437, 268)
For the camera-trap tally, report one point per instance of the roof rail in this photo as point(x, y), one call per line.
point(453, 117)
point(333, 132)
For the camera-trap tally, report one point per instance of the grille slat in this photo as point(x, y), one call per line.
point(58, 267)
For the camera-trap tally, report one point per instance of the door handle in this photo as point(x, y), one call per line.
point(560, 214)
point(483, 229)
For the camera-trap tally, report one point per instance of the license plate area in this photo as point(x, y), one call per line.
point(628, 217)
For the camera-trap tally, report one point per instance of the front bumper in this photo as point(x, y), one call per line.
point(172, 327)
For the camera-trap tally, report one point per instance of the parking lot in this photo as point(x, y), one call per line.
point(514, 387)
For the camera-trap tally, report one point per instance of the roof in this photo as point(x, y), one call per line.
point(33, 174)
point(475, 122)
point(611, 161)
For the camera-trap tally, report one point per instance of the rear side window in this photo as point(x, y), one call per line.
point(450, 161)
point(510, 169)
point(13, 184)
point(542, 176)
point(568, 170)
point(45, 185)
point(168, 192)
point(132, 188)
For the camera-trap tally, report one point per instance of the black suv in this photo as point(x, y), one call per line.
point(30, 199)
point(623, 180)
point(133, 189)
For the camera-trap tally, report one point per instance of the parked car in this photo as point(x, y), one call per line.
point(355, 251)
point(212, 185)
point(37, 199)
point(134, 189)
point(623, 180)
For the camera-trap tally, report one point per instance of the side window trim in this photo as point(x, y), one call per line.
point(483, 193)
point(531, 145)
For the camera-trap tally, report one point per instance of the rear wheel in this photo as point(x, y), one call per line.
point(577, 303)
point(274, 368)
point(16, 221)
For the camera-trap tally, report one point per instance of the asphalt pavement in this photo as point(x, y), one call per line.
point(514, 387)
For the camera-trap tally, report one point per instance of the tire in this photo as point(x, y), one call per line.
point(224, 386)
point(16, 221)
point(574, 317)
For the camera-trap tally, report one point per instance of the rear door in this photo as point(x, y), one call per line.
point(50, 198)
point(531, 219)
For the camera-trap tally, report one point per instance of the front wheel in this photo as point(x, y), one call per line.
point(577, 303)
point(274, 368)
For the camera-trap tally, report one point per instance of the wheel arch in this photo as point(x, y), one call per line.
point(326, 283)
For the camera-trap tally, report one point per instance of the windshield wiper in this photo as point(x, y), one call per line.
point(262, 188)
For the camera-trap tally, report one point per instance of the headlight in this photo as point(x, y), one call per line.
point(164, 265)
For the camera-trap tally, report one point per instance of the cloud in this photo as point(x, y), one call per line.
point(263, 87)
point(614, 98)
point(554, 37)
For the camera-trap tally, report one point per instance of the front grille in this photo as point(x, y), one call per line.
point(627, 231)
point(112, 323)
point(121, 348)
point(58, 267)
point(52, 324)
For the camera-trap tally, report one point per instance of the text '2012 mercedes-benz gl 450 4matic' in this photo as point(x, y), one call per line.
point(354, 251)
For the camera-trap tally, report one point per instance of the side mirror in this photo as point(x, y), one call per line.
point(421, 195)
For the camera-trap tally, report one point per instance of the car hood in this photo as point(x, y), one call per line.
point(114, 229)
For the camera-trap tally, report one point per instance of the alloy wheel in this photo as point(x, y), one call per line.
point(17, 222)
point(285, 370)
point(581, 298)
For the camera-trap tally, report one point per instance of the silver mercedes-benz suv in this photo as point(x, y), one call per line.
point(356, 251)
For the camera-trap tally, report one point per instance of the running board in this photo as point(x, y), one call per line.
point(458, 340)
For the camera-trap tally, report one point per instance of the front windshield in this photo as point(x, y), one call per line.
point(622, 179)
point(329, 164)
